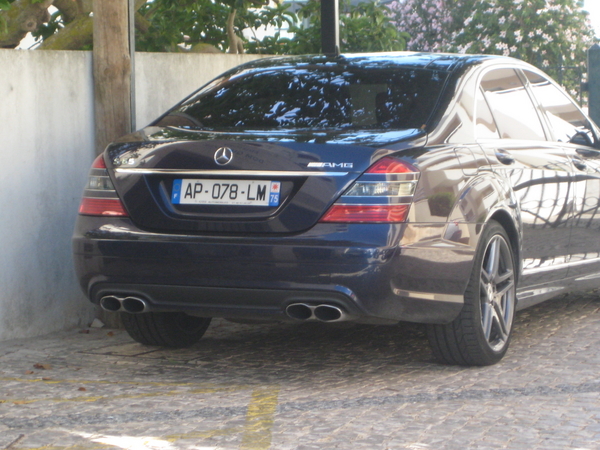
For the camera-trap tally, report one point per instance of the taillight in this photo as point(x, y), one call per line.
point(390, 165)
point(383, 194)
point(99, 196)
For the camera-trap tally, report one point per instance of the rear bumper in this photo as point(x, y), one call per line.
point(374, 273)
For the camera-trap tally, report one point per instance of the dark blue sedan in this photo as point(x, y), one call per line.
point(448, 190)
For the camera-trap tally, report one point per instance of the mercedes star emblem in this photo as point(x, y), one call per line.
point(223, 156)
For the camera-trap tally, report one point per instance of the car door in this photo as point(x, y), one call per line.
point(571, 129)
point(511, 134)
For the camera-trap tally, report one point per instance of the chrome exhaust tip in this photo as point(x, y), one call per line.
point(129, 304)
point(322, 313)
point(134, 305)
point(329, 313)
point(110, 303)
point(299, 311)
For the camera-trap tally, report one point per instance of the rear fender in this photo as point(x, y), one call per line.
point(458, 192)
point(452, 204)
point(486, 197)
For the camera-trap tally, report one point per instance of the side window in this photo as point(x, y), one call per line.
point(485, 126)
point(565, 118)
point(515, 114)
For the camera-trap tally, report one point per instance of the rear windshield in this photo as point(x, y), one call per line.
point(323, 98)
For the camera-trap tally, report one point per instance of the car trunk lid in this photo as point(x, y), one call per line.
point(182, 181)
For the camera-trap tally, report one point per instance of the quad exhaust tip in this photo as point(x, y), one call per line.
point(129, 304)
point(328, 313)
point(322, 312)
point(298, 311)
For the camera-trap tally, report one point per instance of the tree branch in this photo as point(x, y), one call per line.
point(141, 23)
point(80, 32)
point(69, 9)
point(74, 36)
point(23, 16)
point(235, 43)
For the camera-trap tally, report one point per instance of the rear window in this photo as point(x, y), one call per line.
point(324, 98)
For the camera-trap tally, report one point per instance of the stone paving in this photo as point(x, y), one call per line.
point(306, 386)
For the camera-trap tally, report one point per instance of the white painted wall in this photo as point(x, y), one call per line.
point(163, 79)
point(46, 148)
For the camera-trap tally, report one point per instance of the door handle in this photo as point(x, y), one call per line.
point(504, 157)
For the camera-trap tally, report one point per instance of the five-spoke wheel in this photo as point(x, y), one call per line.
point(497, 293)
point(480, 335)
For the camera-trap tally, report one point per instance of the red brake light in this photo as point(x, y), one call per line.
point(102, 207)
point(99, 163)
point(366, 213)
point(391, 165)
point(99, 196)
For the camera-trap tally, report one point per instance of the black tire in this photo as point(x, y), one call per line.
point(481, 333)
point(166, 329)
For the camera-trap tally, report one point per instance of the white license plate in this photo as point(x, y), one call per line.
point(226, 192)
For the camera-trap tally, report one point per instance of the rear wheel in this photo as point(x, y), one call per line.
point(167, 329)
point(480, 335)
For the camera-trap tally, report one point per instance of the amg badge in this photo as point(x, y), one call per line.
point(330, 165)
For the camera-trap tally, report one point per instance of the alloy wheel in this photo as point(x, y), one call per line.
point(497, 293)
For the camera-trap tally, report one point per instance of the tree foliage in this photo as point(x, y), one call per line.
point(215, 25)
point(545, 33)
point(366, 27)
point(161, 25)
point(429, 23)
point(206, 22)
point(173, 22)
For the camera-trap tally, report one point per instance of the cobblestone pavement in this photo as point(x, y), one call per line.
point(308, 386)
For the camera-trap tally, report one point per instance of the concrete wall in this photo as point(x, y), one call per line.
point(46, 148)
point(163, 79)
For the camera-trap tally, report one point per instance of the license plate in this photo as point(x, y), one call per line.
point(226, 192)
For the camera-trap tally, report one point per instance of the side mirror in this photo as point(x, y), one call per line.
point(582, 138)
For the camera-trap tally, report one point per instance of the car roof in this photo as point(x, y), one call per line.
point(446, 62)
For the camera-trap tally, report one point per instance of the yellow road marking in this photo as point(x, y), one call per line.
point(256, 433)
point(203, 434)
point(197, 388)
point(90, 398)
point(131, 383)
point(259, 419)
point(72, 447)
